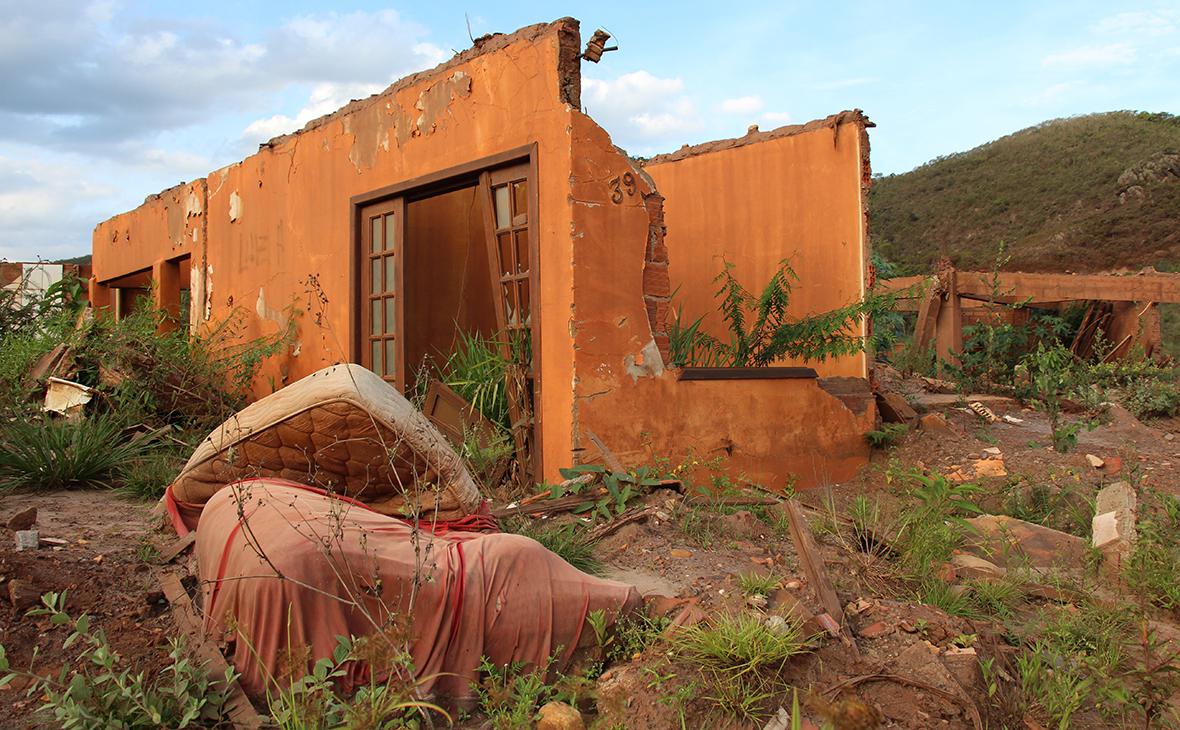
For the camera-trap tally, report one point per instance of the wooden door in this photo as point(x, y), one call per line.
point(510, 208)
point(381, 253)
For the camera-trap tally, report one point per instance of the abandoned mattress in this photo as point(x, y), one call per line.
point(452, 597)
point(344, 429)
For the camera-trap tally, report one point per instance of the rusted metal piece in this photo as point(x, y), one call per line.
point(596, 46)
point(241, 712)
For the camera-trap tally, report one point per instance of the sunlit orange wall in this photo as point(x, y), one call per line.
point(793, 196)
point(278, 223)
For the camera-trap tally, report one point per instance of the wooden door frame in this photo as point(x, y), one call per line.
point(424, 186)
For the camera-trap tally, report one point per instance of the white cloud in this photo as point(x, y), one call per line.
point(325, 98)
point(1111, 54)
point(43, 208)
point(1138, 23)
point(742, 105)
point(642, 112)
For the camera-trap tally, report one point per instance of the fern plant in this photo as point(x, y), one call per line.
point(762, 332)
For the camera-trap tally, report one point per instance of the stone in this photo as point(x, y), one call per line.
point(875, 630)
point(23, 520)
point(993, 467)
point(1001, 538)
point(992, 452)
point(972, 566)
point(680, 553)
point(963, 664)
point(894, 409)
point(1095, 461)
point(560, 716)
point(23, 595)
point(27, 540)
point(935, 423)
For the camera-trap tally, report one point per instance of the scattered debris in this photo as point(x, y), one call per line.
point(983, 411)
point(1012, 420)
point(23, 594)
point(812, 561)
point(27, 540)
point(1095, 461)
point(894, 408)
point(66, 398)
point(1113, 526)
point(23, 520)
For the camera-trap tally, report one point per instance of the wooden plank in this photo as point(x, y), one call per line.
point(813, 565)
point(607, 455)
point(1073, 287)
point(241, 712)
point(179, 546)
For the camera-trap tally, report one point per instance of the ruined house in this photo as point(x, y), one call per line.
point(477, 196)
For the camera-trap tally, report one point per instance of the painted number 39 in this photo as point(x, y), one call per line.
point(619, 185)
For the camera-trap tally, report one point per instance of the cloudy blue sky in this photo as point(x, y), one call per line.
point(105, 102)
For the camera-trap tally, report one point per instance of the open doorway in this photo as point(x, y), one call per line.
point(448, 289)
point(445, 281)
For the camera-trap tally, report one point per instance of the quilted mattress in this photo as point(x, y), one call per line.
point(345, 430)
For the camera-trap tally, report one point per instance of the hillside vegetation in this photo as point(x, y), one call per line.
point(1084, 194)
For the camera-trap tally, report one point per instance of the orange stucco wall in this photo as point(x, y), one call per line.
point(272, 234)
point(774, 432)
point(792, 193)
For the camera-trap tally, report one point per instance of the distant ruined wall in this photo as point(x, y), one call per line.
point(796, 193)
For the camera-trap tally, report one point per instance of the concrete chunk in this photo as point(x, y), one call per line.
point(1113, 526)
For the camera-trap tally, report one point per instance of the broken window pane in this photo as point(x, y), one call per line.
point(509, 303)
point(390, 356)
point(523, 294)
point(375, 327)
point(377, 244)
point(375, 366)
point(390, 273)
point(522, 251)
point(503, 214)
point(520, 202)
point(505, 241)
point(375, 284)
point(390, 315)
point(389, 232)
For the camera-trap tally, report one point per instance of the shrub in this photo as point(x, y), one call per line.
point(761, 331)
point(888, 436)
point(570, 544)
point(741, 658)
point(100, 690)
point(59, 454)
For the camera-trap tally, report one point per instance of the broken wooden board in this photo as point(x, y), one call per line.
point(177, 547)
point(241, 712)
point(608, 456)
point(813, 565)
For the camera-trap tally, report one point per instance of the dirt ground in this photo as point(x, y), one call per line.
point(103, 566)
point(909, 662)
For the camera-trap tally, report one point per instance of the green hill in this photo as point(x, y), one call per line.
point(1082, 194)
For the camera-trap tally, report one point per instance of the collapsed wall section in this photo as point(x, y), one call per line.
point(794, 193)
point(777, 432)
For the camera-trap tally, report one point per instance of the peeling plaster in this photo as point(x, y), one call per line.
point(235, 206)
point(651, 364)
point(435, 100)
point(193, 205)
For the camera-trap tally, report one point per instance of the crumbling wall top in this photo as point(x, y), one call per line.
point(754, 136)
point(483, 45)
